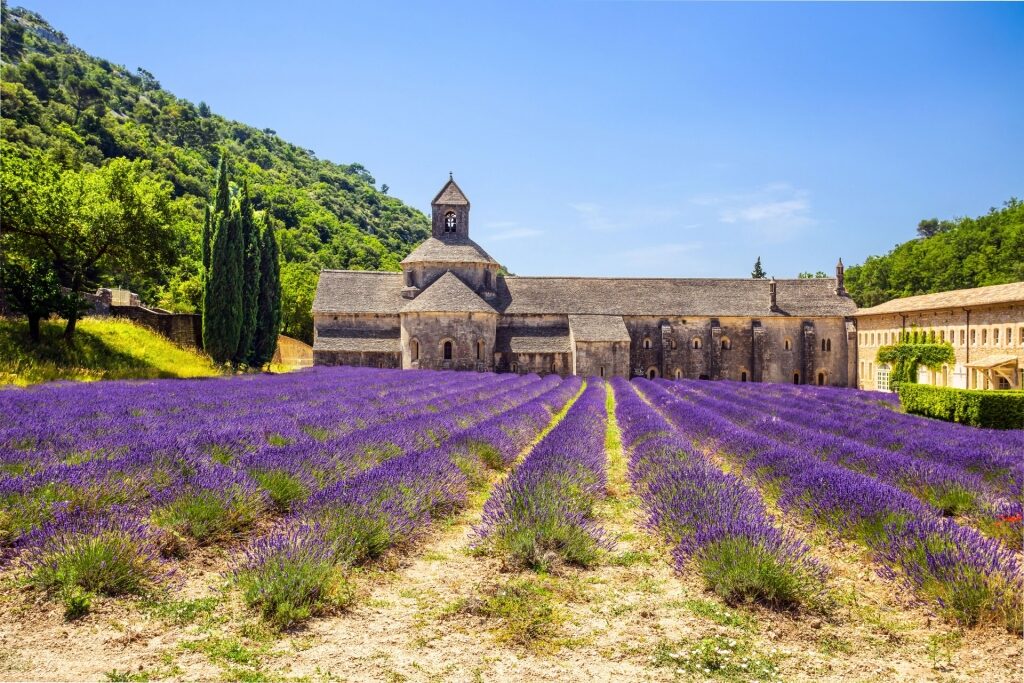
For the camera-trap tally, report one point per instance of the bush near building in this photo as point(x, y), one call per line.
point(995, 409)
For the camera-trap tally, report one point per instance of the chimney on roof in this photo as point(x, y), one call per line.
point(772, 293)
point(840, 288)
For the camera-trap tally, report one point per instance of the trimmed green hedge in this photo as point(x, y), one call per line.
point(996, 409)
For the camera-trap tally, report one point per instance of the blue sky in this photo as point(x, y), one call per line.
point(638, 139)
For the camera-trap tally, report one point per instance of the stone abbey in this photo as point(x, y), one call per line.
point(451, 308)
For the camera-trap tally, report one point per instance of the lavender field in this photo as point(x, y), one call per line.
point(506, 525)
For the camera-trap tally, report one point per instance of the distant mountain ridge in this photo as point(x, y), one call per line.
point(84, 109)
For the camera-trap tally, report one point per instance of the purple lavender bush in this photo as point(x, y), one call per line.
point(715, 522)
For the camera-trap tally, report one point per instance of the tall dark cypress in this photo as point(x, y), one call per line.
point(207, 239)
point(268, 318)
point(250, 278)
point(222, 315)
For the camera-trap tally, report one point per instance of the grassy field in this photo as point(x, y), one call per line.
point(103, 349)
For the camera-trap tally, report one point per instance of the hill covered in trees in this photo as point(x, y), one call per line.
point(83, 110)
point(948, 254)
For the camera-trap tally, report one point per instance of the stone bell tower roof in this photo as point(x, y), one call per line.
point(451, 194)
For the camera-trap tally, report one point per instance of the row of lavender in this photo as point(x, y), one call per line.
point(993, 454)
point(193, 478)
point(299, 569)
point(971, 577)
point(544, 511)
point(714, 521)
point(947, 486)
point(153, 469)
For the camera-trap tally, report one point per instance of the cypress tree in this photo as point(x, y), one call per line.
point(268, 318)
point(222, 198)
point(207, 238)
point(250, 278)
point(222, 309)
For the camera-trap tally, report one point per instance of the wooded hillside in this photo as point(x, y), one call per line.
point(84, 110)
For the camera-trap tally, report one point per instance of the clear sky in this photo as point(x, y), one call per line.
point(619, 138)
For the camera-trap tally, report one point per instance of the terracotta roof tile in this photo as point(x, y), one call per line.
point(957, 298)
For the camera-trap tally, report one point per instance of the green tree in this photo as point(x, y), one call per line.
point(758, 272)
point(207, 239)
point(298, 288)
point(90, 224)
point(222, 304)
point(33, 290)
point(268, 319)
point(250, 277)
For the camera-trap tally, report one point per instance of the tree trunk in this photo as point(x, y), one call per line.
point(33, 328)
point(69, 329)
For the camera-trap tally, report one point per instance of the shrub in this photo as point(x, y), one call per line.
point(292, 576)
point(75, 555)
point(284, 488)
point(741, 570)
point(994, 409)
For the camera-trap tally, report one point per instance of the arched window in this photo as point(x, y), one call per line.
point(796, 378)
point(995, 336)
point(787, 345)
point(449, 222)
point(647, 342)
point(822, 344)
point(414, 349)
point(726, 344)
point(743, 376)
point(553, 367)
point(828, 344)
point(672, 344)
point(821, 379)
point(515, 367)
point(447, 350)
point(678, 374)
point(945, 375)
point(696, 342)
point(974, 337)
point(480, 349)
point(652, 372)
point(984, 337)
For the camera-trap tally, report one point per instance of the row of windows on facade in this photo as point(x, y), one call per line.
point(882, 338)
point(938, 378)
point(652, 373)
point(447, 348)
point(696, 343)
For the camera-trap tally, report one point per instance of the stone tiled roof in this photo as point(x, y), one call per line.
point(451, 193)
point(358, 291)
point(594, 328)
point(362, 339)
point(532, 340)
point(664, 296)
point(449, 250)
point(374, 292)
point(958, 298)
point(448, 294)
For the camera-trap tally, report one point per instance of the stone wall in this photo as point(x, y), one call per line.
point(982, 332)
point(367, 359)
point(185, 329)
point(470, 334)
point(603, 359)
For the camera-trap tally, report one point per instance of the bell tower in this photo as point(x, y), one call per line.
point(450, 213)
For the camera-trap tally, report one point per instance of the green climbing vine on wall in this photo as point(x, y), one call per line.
point(906, 356)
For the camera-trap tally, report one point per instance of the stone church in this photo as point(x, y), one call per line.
point(451, 307)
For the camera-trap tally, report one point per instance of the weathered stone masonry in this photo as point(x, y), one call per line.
point(450, 308)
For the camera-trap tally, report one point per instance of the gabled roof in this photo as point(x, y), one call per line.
point(532, 339)
point(342, 292)
point(449, 250)
point(958, 298)
point(358, 291)
point(747, 297)
point(448, 294)
point(598, 328)
point(450, 194)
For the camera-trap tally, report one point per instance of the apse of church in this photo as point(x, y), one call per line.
point(450, 308)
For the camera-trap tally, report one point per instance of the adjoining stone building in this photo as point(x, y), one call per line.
point(985, 325)
point(452, 308)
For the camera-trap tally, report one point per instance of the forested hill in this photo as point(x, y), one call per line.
point(948, 254)
point(82, 109)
